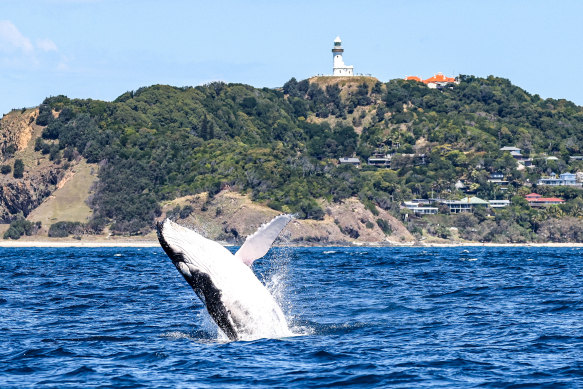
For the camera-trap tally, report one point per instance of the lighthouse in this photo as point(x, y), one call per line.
point(339, 69)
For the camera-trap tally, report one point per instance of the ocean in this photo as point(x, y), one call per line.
point(363, 317)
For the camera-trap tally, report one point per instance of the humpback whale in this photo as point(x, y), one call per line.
point(235, 299)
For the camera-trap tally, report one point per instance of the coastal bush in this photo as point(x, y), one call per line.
point(44, 115)
point(187, 210)
point(38, 144)
point(18, 169)
point(96, 225)
point(173, 213)
point(21, 227)
point(10, 150)
point(63, 229)
point(385, 226)
point(309, 209)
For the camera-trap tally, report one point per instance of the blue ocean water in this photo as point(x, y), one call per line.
point(366, 317)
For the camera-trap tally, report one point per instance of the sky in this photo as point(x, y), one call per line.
point(100, 49)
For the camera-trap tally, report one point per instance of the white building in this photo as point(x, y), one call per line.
point(340, 69)
point(349, 161)
point(380, 160)
point(467, 204)
point(499, 203)
point(565, 179)
point(418, 208)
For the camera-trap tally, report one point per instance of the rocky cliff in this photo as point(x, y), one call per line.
point(230, 217)
point(19, 196)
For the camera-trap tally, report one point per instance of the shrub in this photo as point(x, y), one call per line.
point(10, 150)
point(55, 154)
point(173, 213)
point(5, 169)
point(21, 227)
point(185, 212)
point(385, 226)
point(38, 144)
point(18, 171)
point(96, 225)
point(309, 209)
point(64, 229)
point(44, 115)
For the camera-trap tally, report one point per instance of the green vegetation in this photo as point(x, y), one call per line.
point(64, 229)
point(385, 226)
point(20, 227)
point(18, 170)
point(281, 147)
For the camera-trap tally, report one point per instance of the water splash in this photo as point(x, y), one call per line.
point(277, 283)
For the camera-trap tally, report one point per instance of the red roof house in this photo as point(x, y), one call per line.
point(433, 82)
point(536, 200)
point(439, 78)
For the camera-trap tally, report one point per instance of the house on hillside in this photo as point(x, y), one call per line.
point(467, 204)
point(565, 179)
point(536, 200)
point(516, 153)
point(437, 81)
point(497, 178)
point(511, 149)
point(380, 160)
point(420, 208)
point(349, 161)
point(499, 203)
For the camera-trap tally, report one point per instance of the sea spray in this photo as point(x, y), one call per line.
point(276, 279)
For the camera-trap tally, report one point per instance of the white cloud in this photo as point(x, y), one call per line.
point(11, 39)
point(46, 45)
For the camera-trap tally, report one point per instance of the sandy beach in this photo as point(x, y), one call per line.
point(76, 243)
point(56, 243)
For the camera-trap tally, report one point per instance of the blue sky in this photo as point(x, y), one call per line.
point(101, 48)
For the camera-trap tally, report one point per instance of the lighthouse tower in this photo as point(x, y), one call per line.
point(339, 68)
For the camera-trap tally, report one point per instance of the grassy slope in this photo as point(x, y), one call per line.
point(68, 202)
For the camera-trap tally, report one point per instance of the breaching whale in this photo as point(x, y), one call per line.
point(236, 300)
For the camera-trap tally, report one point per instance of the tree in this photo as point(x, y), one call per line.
point(44, 115)
point(18, 169)
point(291, 87)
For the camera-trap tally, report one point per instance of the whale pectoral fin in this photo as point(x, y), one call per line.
point(258, 244)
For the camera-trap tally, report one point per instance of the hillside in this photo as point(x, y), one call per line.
point(279, 149)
